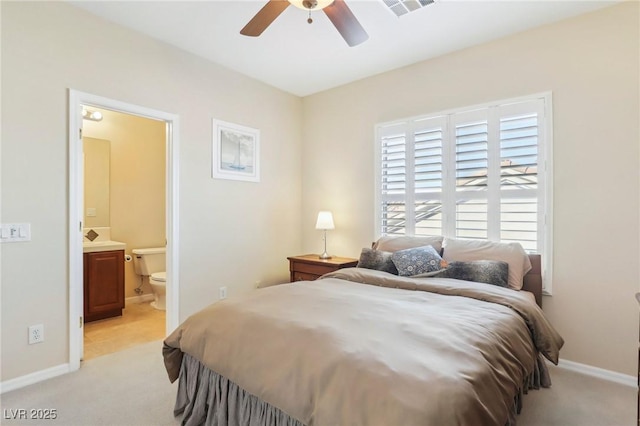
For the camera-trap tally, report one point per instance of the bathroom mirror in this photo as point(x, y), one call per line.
point(97, 164)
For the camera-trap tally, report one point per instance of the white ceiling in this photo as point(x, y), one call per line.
point(304, 59)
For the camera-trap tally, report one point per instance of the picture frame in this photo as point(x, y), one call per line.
point(235, 152)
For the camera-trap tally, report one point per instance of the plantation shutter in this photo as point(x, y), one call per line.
point(473, 174)
point(428, 178)
point(471, 159)
point(393, 178)
point(521, 148)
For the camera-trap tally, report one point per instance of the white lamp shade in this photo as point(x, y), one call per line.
point(325, 220)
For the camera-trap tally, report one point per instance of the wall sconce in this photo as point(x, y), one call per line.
point(91, 115)
point(325, 222)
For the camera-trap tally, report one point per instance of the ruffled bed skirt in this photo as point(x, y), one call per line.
point(539, 378)
point(207, 398)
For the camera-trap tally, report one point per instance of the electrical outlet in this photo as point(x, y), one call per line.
point(223, 293)
point(36, 334)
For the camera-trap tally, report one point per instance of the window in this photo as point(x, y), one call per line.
point(477, 173)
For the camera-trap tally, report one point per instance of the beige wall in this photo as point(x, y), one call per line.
point(590, 63)
point(231, 233)
point(138, 163)
point(237, 233)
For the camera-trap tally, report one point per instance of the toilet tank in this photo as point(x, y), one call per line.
point(147, 261)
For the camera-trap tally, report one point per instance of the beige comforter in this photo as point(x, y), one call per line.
point(337, 352)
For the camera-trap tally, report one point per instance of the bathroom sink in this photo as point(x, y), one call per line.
point(106, 245)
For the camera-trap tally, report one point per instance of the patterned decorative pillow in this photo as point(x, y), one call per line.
point(458, 250)
point(378, 260)
point(419, 260)
point(494, 272)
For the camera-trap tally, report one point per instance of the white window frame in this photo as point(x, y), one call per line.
point(545, 174)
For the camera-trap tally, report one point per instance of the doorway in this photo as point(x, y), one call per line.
point(76, 211)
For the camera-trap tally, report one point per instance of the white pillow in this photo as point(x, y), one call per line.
point(512, 253)
point(392, 243)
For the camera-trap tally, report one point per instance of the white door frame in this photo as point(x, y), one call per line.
point(76, 185)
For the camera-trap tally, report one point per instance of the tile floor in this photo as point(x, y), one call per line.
point(139, 323)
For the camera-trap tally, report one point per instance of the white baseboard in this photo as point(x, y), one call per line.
point(35, 377)
point(49, 373)
point(139, 299)
point(601, 373)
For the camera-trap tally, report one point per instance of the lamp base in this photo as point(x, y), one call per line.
point(325, 256)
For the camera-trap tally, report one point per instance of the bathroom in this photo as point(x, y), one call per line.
point(124, 201)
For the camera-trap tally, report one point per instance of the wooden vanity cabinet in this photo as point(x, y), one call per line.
point(103, 284)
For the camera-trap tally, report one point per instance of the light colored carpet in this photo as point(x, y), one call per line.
point(578, 400)
point(120, 389)
point(131, 388)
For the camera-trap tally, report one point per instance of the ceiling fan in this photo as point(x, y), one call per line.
point(336, 10)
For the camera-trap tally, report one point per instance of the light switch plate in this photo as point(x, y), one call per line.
point(15, 232)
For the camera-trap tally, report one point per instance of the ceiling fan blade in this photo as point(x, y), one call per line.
point(264, 17)
point(346, 23)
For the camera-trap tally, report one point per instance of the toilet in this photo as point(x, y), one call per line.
point(151, 262)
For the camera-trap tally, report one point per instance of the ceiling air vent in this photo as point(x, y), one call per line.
point(402, 7)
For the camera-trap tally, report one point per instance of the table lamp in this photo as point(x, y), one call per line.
point(324, 222)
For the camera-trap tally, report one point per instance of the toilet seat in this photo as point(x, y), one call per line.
point(159, 277)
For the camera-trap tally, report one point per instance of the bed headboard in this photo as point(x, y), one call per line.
point(533, 279)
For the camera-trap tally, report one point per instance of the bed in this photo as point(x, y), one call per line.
point(363, 346)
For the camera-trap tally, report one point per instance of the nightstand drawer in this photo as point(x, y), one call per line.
point(309, 267)
point(313, 268)
point(301, 276)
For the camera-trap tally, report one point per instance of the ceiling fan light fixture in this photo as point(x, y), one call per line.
point(311, 4)
point(336, 10)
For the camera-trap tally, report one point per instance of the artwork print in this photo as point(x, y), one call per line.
point(236, 152)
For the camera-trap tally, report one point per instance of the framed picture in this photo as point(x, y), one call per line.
point(236, 152)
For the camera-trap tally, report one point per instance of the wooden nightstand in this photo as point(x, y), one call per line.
point(308, 267)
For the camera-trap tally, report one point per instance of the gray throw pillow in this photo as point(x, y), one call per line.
point(493, 272)
point(419, 260)
point(378, 260)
